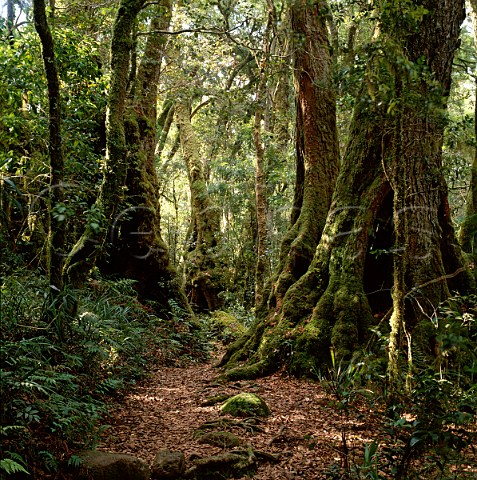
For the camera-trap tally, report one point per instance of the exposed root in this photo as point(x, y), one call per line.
point(250, 424)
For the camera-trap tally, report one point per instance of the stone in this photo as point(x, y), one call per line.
point(245, 405)
point(112, 466)
point(220, 439)
point(168, 465)
point(226, 465)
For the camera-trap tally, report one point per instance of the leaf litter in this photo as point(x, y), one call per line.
point(304, 429)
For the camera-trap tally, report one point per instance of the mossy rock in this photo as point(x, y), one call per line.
point(226, 465)
point(245, 405)
point(226, 326)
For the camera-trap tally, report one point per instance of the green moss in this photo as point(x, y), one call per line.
point(226, 327)
point(250, 371)
point(245, 405)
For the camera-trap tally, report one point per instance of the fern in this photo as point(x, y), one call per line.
point(75, 461)
point(10, 466)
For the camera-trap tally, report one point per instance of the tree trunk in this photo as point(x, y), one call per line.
point(57, 222)
point(138, 250)
point(203, 269)
point(317, 150)
point(92, 243)
point(11, 19)
point(468, 231)
point(332, 305)
point(260, 167)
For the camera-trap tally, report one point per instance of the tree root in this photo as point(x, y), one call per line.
point(235, 463)
point(250, 424)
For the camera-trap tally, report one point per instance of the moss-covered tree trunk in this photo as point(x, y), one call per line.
point(138, 250)
point(125, 227)
point(332, 305)
point(435, 259)
point(317, 150)
point(92, 243)
point(57, 221)
point(203, 264)
point(468, 231)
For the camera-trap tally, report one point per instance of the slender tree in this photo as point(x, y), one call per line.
point(203, 264)
point(260, 167)
point(57, 223)
point(468, 232)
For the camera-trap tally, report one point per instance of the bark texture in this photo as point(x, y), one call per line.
point(329, 305)
point(57, 224)
point(138, 250)
point(317, 150)
point(203, 264)
point(434, 258)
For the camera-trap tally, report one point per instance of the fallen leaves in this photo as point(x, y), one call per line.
point(303, 431)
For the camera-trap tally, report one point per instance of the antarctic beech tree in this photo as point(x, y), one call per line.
point(317, 150)
point(332, 304)
point(93, 240)
point(128, 203)
point(138, 250)
point(468, 231)
point(203, 266)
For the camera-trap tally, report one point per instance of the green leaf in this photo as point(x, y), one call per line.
point(414, 441)
point(9, 466)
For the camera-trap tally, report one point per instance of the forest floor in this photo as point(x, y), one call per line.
point(304, 429)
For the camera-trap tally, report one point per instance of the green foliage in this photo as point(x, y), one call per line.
point(426, 432)
point(54, 392)
point(12, 465)
point(24, 163)
point(344, 383)
point(223, 326)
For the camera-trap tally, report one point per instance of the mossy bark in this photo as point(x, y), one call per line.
point(329, 306)
point(57, 224)
point(203, 263)
point(138, 250)
point(435, 263)
point(317, 150)
point(91, 244)
point(129, 243)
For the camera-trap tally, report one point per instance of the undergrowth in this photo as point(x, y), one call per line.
point(55, 388)
point(429, 430)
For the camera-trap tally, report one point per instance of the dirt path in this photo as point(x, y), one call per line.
point(304, 428)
